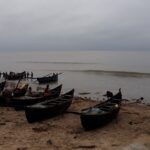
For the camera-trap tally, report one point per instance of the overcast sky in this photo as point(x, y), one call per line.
point(74, 25)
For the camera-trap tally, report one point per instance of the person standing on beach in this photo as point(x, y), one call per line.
point(27, 75)
point(108, 94)
point(31, 75)
point(47, 90)
point(29, 92)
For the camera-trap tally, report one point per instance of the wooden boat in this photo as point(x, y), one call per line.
point(99, 115)
point(48, 79)
point(7, 94)
point(20, 90)
point(68, 94)
point(20, 102)
point(49, 108)
point(17, 92)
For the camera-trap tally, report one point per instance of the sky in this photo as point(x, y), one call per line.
point(38, 25)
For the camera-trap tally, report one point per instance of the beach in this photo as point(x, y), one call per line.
point(130, 131)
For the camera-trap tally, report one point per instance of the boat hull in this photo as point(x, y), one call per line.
point(21, 102)
point(94, 120)
point(33, 114)
point(48, 109)
point(53, 78)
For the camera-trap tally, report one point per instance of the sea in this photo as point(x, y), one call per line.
point(90, 73)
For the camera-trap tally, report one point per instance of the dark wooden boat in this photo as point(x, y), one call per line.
point(20, 102)
point(20, 91)
point(99, 115)
point(6, 95)
point(68, 94)
point(49, 108)
point(48, 79)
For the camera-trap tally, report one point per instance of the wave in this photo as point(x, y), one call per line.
point(91, 71)
point(119, 73)
point(112, 73)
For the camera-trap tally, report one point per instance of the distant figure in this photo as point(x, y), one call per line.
point(27, 75)
point(29, 92)
point(47, 90)
point(108, 94)
point(140, 100)
point(31, 75)
point(3, 74)
point(24, 75)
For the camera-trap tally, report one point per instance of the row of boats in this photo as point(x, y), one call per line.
point(52, 77)
point(39, 107)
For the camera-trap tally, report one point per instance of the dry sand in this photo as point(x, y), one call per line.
point(130, 131)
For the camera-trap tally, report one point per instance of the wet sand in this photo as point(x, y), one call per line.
point(130, 131)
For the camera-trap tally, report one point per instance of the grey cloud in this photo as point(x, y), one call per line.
point(74, 25)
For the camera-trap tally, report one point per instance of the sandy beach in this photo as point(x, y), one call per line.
point(130, 131)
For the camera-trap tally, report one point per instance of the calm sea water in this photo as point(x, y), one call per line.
point(88, 71)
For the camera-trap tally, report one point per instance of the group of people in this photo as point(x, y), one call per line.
point(11, 74)
point(28, 75)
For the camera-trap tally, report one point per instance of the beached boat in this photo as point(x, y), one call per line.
point(99, 115)
point(17, 92)
point(20, 102)
point(48, 79)
point(49, 108)
point(68, 95)
point(7, 94)
point(20, 90)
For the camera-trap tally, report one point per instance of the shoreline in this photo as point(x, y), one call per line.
point(96, 95)
point(129, 131)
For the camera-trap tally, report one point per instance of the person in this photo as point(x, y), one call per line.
point(29, 93)
point(24, 74)
point(27, 75)
point(108, 94)
point(31, 74)
point(140, 100)
point(47, 90)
